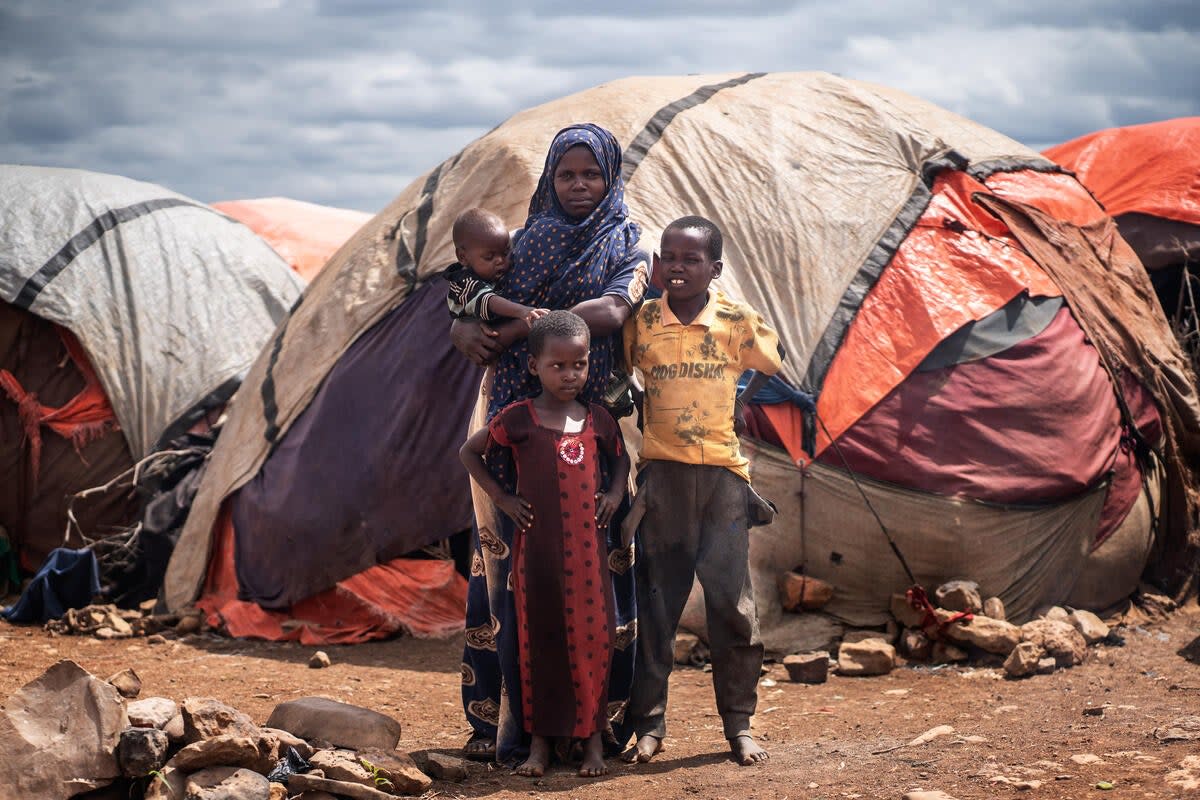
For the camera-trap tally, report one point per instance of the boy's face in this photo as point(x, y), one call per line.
point(486, 253)
point(562, 366)
point(684, 265)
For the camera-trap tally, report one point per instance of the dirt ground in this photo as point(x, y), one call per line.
point(833, 740)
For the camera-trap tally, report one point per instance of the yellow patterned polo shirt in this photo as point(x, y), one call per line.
point(690, 373)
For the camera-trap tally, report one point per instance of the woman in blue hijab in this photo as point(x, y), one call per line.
point(577, 251)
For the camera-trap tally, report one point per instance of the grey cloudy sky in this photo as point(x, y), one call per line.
point(344, 102)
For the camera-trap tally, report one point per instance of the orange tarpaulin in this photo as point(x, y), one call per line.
point(304, 234)
point(421, 597)
point(1146, 169)
point(958, 264)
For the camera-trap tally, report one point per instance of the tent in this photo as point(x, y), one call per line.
point(1148, 178)
point(304, 234)
point(127, 314)
point(983, 345)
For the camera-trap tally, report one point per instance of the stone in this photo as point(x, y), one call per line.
point(313, 795)
point(904, 613)
point(153, 712)
point(1058, 638)
point(227, 783)
point(1090, 626)
point(1083, 759)
point(280, 792)
point(989, 635)
point(189, 624)
point(931, 734)
point(343, 765)
point(156, 639)
point(288, 741)
point(872, 657)
point(127, 682)
point(807, 667)
point(441, 766)
point(914, 644)
point(856, 635)
point(252, 752)
point(60, 733)
point(1023, 660)
point(1182, 729)
point(802, 592)
point(319, 660)
point(1057, 613)
point(206, 717)
point(946, 653)
point(958, 596)
point(399, 768)
point(354, 791)
point(689, 650)
point(935, 795)
point(168, 784)
point(175, 730)
point(1046, 665)
point(994, 607)
point(141, 750)
point(340, 724)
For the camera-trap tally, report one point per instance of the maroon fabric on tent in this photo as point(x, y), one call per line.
point(1037, 422)
point(370, 470)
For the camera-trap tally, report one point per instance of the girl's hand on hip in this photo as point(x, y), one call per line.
point(517, 508)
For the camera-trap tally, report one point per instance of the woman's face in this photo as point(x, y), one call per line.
point(578, 182)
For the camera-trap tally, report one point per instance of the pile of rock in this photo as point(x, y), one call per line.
point(106, 621)
point(201, 748)
point(1058, 638)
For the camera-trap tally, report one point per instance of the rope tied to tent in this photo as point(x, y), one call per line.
point(917, 597)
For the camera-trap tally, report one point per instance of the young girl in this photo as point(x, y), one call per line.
point(560, 573)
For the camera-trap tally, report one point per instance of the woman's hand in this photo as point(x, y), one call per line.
point(607, 503)
point(475, 340)
point(517, 509)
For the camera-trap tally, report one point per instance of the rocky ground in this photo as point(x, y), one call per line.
point(1069, 734)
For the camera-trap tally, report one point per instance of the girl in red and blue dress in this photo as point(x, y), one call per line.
point(562, 509)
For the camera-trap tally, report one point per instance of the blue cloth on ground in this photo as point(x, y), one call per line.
point(67, 579)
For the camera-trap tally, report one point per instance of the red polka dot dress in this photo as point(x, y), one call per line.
point(560, 575)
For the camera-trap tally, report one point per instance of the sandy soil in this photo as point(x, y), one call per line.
point(825, 741)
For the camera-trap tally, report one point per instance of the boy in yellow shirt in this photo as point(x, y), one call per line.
point(690, 347)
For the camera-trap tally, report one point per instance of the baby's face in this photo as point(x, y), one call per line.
point(486, 253)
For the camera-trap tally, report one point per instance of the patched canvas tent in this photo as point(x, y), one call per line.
point(304, 234)
point(1148, 178)
point(910, 259)
point(128, 312)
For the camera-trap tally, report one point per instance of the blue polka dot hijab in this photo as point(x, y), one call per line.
point(558, 261)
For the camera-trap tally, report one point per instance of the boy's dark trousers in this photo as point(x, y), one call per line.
point(695, 525)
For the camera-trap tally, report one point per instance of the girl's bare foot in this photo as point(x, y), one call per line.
point(746, 751)
point(647, 747)
point(593, 758)
point(539, 758)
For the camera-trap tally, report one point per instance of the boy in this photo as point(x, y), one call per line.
point(691, 346)
point(481, 247)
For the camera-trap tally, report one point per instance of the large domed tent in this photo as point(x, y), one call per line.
point(128, 313)
point(915, 266)
point(304, 234)
point(1148, 178)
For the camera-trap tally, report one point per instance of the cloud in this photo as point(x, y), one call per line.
point(344, 102)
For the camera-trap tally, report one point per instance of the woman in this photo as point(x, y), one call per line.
point(577, 251)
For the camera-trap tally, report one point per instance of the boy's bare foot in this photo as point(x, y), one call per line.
point(647, 747)
point(593, 758)
point(746, 751)
point(539, 758)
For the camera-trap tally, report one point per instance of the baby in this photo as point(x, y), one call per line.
point(481, 247)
